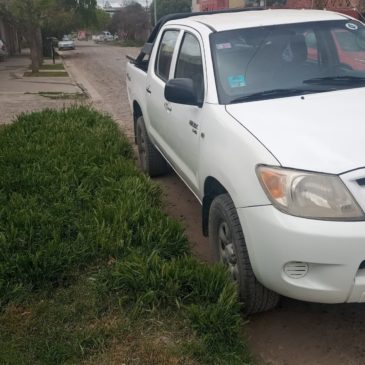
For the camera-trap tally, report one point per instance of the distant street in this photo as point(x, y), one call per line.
point(101, 70)
point(295, 333)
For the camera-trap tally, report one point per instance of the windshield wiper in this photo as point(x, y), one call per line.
point(336, 80)
point(275, 93)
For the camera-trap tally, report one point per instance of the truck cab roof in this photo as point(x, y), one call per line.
point(248, 19)
point(231, 19)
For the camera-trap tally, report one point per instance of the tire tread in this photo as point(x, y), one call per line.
point(256, 297)
point(155, 164)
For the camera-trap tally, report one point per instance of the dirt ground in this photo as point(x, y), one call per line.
point(294, 333)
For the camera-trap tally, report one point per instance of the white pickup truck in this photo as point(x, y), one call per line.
point(104, 36)
point(261, 114)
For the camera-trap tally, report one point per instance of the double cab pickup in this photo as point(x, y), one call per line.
point(261, 114)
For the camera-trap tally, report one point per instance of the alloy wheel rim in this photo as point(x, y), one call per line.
point(227, 250)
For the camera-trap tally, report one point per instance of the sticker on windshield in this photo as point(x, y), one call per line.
point(236, 81)
point(224, 45)
point(352, 26)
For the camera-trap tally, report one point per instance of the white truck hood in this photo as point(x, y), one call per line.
point(318, 132)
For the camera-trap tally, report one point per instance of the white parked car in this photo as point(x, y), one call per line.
point(261, 114)
point(66, 43)
point(3, 50)
point(104, 36)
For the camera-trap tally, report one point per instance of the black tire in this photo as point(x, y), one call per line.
point(229, 247)
point(150, 159)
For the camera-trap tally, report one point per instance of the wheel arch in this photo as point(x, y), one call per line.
point(212, 188)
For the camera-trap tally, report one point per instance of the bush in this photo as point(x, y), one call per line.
point(70, 195)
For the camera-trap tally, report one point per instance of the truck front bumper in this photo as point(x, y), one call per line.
point(332, 252)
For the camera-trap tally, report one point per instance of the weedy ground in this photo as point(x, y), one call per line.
point(46, 73)
point(92, 271)
point(63, 96)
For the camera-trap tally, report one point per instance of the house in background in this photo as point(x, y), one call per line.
point(207, 5)
point(111, 7)
point(352, 8)
point(10, 36)
point(195, 6)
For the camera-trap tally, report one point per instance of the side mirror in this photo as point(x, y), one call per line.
point(182, 91)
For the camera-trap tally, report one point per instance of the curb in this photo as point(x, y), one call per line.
point(78, 78)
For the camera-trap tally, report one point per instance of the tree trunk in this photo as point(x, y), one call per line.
point(34, 38)
point(39, 45)
point(34, 51)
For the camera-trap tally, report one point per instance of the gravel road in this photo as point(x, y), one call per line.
point(296, 332)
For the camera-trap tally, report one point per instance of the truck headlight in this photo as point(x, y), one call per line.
point(309, 195)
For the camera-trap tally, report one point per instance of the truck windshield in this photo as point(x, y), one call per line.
point(291, 59)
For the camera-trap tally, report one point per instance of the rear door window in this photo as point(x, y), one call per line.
point(190, 64)
point(165, 53)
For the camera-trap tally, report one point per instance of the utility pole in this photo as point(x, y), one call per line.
point(155, 10)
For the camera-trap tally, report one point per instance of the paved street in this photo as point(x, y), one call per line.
point(101, 71)
point(295, 333)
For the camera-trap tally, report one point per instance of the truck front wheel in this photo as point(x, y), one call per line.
point(229, 247)
point(151, 161)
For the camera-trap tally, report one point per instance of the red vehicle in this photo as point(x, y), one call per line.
point(349, 50)
point(81, 35)
point(209, 5)
point(348, 7)
point(351, 53)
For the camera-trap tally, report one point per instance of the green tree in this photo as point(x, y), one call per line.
point(30, 16)
point(131, 22)
point(165, 7)
point(84, 11)
point(27, 16)
point(103, 20)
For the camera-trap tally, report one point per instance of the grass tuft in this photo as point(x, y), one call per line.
point(68, 187)
point(46, 73)
point(56, 66)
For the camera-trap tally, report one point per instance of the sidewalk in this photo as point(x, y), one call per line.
point(19, 94)
point(13, 81)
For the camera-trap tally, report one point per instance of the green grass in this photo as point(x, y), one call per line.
point(57, 66)
point(51, 66)
point(89, 262)
point(46, 74)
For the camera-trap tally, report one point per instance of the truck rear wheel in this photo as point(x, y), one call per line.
point(229, 247)
point(151, 161)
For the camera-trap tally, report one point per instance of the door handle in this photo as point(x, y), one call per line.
point(148, 89)
point(167, 107)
